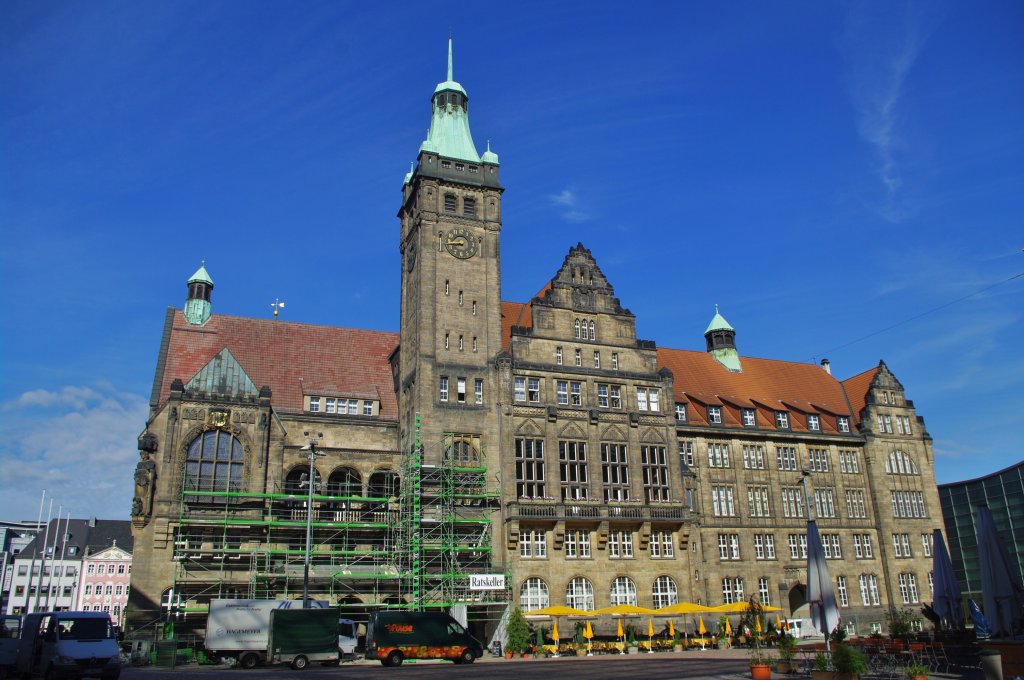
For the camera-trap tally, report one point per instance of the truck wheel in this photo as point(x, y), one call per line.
point(467, 656)
point(248, 661)
point(394, 658)
point(300, 662)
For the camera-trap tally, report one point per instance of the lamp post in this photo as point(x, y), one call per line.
point(311, 481)
point(805, 474)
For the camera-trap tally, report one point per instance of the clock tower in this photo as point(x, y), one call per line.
point(451, 290)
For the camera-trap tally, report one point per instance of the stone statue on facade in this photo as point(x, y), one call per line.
point(145, 477)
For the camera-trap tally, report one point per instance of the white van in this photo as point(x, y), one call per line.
point(68, 645)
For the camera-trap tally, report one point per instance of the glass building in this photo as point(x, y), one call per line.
point(1003, 492)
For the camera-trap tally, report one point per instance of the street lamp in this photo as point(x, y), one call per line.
point(311, 481)
point(805, 474)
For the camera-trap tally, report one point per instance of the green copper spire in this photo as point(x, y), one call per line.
point(449, 134)
point(721, 340)
point(198, 305)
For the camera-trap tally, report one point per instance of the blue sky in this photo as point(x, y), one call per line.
point(820, 170)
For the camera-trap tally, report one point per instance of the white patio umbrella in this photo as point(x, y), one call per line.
point(946, 597)
point(1000, 584)
point(820, 595)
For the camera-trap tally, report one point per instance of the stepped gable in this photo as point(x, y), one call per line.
point(765, 384)
point(580, 285)
point(293, 359)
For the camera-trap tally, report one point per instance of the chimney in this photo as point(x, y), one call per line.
point(827, 366)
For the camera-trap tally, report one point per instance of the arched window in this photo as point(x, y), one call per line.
point(593, 332)
point(534, 595)
point(344, 482)
point(664, 592)
point(383, 484)
point(214, 462)
point(623, 591)
point(577, 328)
point(580, 594)
point(899, 463)
point(295, 482)
point(462, 449)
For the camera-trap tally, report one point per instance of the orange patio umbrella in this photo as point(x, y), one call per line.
point(588, 631)
point(728, 627)
point(778, 623)
point(757, 624)
point(671, 629)
point(618, 633)
point(701, 629)
point(554, 632)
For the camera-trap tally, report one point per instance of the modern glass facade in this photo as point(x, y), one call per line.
point(1003, 492)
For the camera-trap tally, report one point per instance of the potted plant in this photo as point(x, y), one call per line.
point(916, 671)
point(518, 632)
point(848, 662)
point(631, 640)
point(900, 622)
point(787, 651)
point(822, 667)
point(760, 662)
point(677, 642)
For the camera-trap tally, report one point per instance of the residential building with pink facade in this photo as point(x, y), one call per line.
point(104, 583)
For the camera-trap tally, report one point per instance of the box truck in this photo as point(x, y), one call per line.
point(298, 636)
point(239, 630)
point(68, 645)
point(393, 636)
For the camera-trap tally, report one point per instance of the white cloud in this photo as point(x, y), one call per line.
point(569, 206)
point(78, 443)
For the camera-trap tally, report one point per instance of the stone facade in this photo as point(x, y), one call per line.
point(540, 440)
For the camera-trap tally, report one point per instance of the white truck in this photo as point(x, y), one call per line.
point(68, 645)
point(239, 630)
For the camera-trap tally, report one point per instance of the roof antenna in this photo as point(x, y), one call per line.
point(277, 305)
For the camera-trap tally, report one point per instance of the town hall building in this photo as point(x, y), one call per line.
point(540, 444)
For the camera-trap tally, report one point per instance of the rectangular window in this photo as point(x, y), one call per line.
point(798, 546)
point(686, 453)
point(469, 206)
point(832, 547)
point(450, 204)
point(329, 405)
point(908, 504)
point(558, 356)
point(862, 546)
point(749, 418)
point(753, 457)
point(786, 457)
point(572, 469)
point(718, 455)
point(714, 414)
point(314, 404)
point(926, 544)
point(888, 425)
point(901, 545)
point(654, 466)
point(614, 472)
point(765, 591)
point(722, 501)
point(856, 508)
point(577, 544)
point(576, 393)
point(823, 503)
point(562, 392)
point(533, 544)
point(620, 545)
point(641, 399)
point(818, 459)
point(848, 462)
point(530, 468)
point(615, 361)
point(792, 501)
point(843, 423)
point(728, 546)
point(443, 388)
point(758, 501)
point(579, 357)
point(597, 359)
point(519, 389)
point(661, 545)
point(460, 390)
point(906, 424)
point(681, 413)
point(782, 420)
point(813, 423)
point(367, 408)
point(899, 424)
point(478, 390)
point(844, 596)
point(533, 389)
point(602, 396)
point(764, 546)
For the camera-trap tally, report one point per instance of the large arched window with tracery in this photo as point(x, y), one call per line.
point(534, 595)
point(463, 449)
point(214, 462)
point(383, 484)
point(344, 482)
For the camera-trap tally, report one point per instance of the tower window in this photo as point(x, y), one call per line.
point(460, 343)
point(478, 390)
point(450, 203)
point(558, 356)
point(474, 307)
point(593, 334)
point(460, 298)
point(615, 361)
point(446, 164)
point(474, 343)
point(460, 394)
point(469, 206)
point(446, 341)
point(597, 359)
point(579, 357)
point(461, 167)
point(474, 169)
point(443, 388)
point(446, 287)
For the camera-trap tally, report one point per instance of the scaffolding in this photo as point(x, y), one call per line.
point(414, 545)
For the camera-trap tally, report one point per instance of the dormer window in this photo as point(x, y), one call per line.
point(715, 414)
point(843, 423)
point(681, 413)
point(446, 164)
point(813, 423)
point(782, 420)
point(461, 167)
point(749, 418)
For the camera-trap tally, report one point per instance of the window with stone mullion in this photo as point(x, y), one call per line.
point(530, 468)
point(614, 472)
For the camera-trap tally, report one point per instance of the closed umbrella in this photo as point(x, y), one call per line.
point(618, 633)
point(728, 627)
point(588, 632)
point(702, 630)
point(671, 630)
point(1000, 585)
point(555, 637)
point(650, 636)
point(757, 624)
point(946, 596)
point(820, 596)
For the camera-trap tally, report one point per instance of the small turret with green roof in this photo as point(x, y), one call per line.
point(721, 342)
point(198, 304)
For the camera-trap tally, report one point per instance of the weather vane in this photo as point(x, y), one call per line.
point(278, 306)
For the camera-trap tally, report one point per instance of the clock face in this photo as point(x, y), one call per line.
point(460, 243)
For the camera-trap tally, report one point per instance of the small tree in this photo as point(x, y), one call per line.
point(518, 631)
point(900, 621)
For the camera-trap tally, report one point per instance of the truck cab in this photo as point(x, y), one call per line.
point(68, 645)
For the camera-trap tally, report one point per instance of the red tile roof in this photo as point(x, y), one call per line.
point(857, 388)
point(291, 358)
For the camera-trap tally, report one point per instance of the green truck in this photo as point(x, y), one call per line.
point(298, 636)
point(393, 636)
